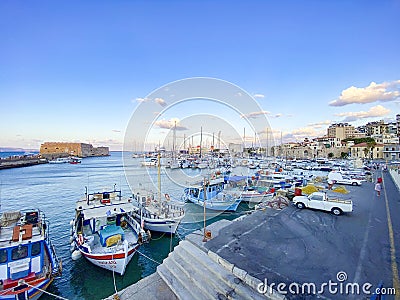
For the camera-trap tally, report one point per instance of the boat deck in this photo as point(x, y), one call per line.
point(9, 235)
point(97, 248)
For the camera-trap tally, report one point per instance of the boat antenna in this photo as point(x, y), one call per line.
point(86, 195)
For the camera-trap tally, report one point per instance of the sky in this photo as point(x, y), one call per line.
point(79, 70)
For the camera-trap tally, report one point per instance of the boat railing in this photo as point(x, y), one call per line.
point(57, 264)
point(134, 224)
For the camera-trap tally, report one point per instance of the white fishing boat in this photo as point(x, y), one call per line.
point(256, 195)
point(211, 195)
point(159, 214)
point(238, 185)
point(105, 231)
point(28, 261)
point(149, 162)
point(60, 160)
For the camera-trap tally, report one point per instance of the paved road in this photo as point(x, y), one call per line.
point(309, 246)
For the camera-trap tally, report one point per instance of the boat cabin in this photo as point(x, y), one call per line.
point(212, 189)
point(22, 247)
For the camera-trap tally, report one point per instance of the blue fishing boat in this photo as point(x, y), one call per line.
point(28, 261)
point(211, 195)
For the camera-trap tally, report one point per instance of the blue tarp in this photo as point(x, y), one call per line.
point(110, 230)
point(235, 178)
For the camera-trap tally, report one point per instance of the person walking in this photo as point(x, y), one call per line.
point(378, 188)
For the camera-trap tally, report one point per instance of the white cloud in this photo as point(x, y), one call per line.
point(258, 96)
point(300, 134)
point(386, 91)
point(319, 124)
point(139, 99)
point(170, 124)
point(115, 130)
point(160, 101)
point(375, 111)
point(255, 114)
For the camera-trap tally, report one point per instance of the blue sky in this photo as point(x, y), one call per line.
point(74, 70)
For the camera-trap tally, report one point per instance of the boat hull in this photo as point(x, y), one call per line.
point(33, 293)
point(253, 198)
point(217, 205)
point(113, 262)
point(165, 226)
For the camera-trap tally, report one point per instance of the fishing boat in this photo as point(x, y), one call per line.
point(242, 185)
point(105, 231)
point(28, 261)
point(75, 160)
point(60, 160)
point(152, 162)
point(211, 195)
point(158, 213)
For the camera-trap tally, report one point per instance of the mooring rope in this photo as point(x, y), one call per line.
point(43, 291)
point(148, 257)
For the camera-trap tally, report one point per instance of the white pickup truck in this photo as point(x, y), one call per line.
point(319, 200)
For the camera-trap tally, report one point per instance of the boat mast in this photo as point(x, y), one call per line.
point(159, 177)
point(204, 209)
point(201, 138)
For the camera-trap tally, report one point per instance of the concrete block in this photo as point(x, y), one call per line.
point(239, 273)
point(226, 264)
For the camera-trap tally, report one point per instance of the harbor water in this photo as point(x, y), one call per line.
point(54, 188)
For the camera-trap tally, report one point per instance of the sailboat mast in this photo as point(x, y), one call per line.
point(159, 177)
point(204, 209)
point(201, 138)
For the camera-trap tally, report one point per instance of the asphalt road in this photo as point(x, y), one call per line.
point(320, 249)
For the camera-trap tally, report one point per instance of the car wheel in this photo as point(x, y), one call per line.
point(354, 183)
point(336, 211)
point(300, 205)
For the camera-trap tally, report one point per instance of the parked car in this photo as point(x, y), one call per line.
point(349, 181)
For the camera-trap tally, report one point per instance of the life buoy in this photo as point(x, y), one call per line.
point(80, 239)
point(167, 197)
point(124, 224)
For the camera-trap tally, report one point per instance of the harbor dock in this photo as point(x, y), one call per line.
point(297, 250)
point(21, 161)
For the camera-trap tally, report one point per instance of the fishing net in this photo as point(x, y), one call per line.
point(341, 190)
point(309, 189)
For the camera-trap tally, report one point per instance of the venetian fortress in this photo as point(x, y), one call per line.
point(62, 149)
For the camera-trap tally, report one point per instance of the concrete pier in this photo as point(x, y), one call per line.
point(21, 161)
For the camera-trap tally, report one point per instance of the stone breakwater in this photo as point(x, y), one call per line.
point(21, 161)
